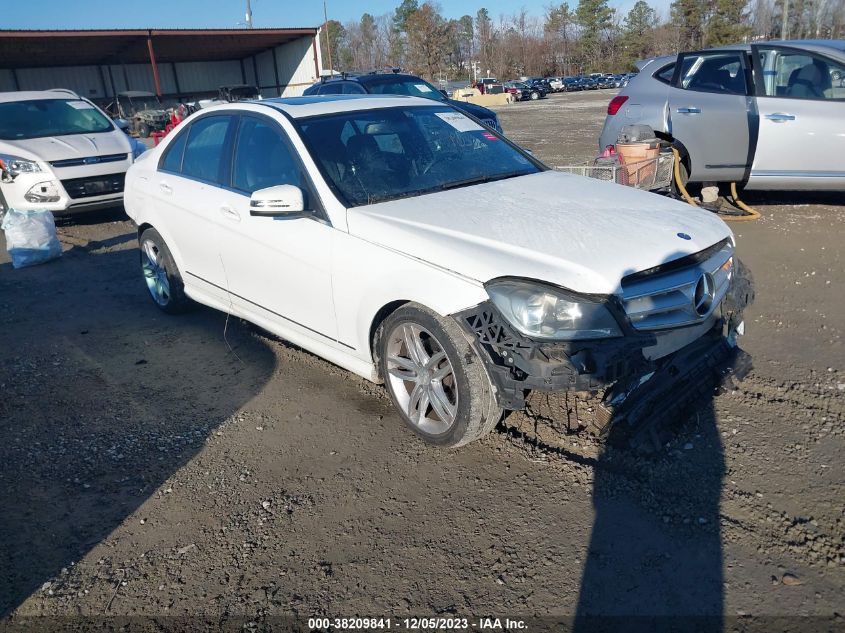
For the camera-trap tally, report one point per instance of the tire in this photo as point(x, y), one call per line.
point(143, 130)
point(162, 277)
point(451, 410)
point(535, 96)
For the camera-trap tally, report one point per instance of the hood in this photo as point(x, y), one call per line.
point(50, 148)
point(572, 231)
point(479, 112)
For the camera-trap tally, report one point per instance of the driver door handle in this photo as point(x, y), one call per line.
point(165, 188)
point(690, 110)
point(230, 214)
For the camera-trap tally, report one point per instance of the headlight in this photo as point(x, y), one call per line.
point(543, 312)
point(16, 165)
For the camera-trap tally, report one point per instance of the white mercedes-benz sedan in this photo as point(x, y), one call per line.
point(412, 245)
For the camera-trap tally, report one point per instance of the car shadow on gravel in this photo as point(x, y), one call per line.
point(104, 399)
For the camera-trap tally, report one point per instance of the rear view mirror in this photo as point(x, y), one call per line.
point(122, 124)
point(277, 201)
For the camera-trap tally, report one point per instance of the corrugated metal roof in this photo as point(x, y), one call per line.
point(38, 49)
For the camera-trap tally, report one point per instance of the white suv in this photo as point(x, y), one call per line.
point(60, 152)
point(408, 243)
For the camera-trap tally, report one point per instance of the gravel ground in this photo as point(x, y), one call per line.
point(195, 466)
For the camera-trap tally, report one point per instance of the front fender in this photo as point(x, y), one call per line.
point(367, 277)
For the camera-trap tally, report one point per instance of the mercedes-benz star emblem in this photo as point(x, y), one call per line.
point(705, 290)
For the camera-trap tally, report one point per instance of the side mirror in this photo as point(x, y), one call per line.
point(278, 201)
point(122, 124)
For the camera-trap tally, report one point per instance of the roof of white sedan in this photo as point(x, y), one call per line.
point(299, 107)
point(34, 95)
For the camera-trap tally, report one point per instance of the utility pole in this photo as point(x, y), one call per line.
point(248, 14)
point(328, 45)
point(784, 26)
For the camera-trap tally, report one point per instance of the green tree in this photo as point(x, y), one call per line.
point(401, 16)
point(368, 35)
point(687, 19)
point(558, 28)
point(727, 23)
point(335, 40)
point(595, 18)
point(486, 38)
point(638, 31)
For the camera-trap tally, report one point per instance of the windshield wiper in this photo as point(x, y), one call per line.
point(479, 180)
point(466, 182)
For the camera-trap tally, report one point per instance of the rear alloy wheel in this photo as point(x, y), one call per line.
point(535, 96)
point(434, 377)
point(163, 280)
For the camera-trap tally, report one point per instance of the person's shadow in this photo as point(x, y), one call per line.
point(654, 561)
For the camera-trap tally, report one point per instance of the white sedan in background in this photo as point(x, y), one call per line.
point(412, 245)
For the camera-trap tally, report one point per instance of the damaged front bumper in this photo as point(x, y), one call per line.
point(619, 366)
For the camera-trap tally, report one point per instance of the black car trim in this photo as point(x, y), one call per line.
point(281, 316)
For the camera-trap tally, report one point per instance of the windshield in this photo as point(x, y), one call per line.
point(405, 86)
point(378, 155)
point(50, 117)
point(139, 104)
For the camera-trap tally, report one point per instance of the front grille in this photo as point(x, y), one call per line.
point(89, 160)
point(94, 185)
point(667, 298)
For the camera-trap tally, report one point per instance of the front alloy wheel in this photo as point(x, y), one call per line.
point(422, 378)
point(434, 377)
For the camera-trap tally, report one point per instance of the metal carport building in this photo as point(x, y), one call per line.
point(176, 64)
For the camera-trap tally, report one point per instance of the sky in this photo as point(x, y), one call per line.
point(90, 14)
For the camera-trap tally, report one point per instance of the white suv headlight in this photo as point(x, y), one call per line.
point(543, 312)
point(16, 165)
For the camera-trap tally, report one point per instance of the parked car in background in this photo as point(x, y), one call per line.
point(60, 152)
point(399, 84)
point(588, 83)
point(606, 81)
point(556, 83)
point(372, 231)
point(527, 92)
point(768, 115)
point(572, 84)
point(540, 84)
point(143, 111)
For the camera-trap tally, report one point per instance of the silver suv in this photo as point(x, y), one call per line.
point(770, 115)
